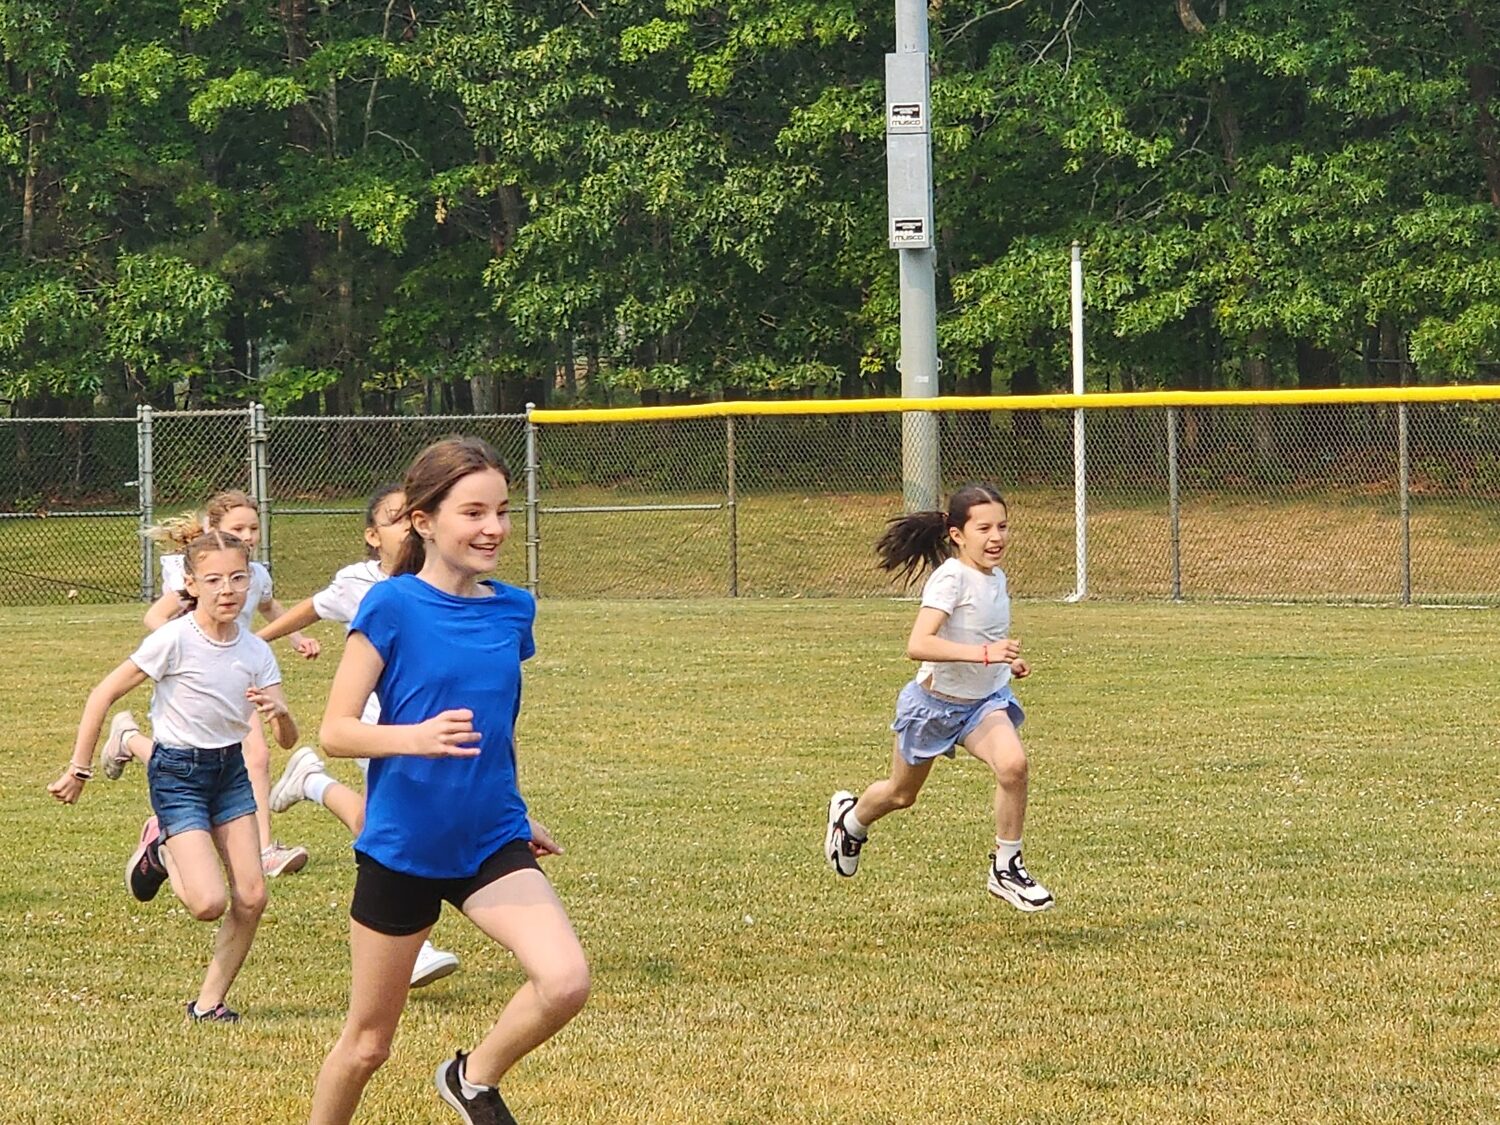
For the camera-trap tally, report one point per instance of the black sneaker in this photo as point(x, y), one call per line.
point(485, 1108)
point(219, 1013)
point(145, 873)
point(1015, 885)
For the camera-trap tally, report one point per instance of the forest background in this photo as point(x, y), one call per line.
point(390, 206)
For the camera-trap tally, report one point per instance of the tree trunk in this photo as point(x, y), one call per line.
point(485, 394)
point(1257, 367)
point(35, 126)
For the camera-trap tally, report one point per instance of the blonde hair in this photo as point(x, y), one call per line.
point(180, 531)
point(202, 544)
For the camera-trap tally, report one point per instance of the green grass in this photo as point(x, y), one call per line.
point(1274, 834)
point(818, 544)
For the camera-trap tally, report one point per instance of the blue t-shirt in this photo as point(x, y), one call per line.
point(440, 818)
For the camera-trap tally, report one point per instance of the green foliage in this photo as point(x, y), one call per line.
point(690, 194)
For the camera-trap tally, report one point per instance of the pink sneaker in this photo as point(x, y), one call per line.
point(279, 859)
point(145, 873)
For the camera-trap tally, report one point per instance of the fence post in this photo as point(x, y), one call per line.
point(1403, 442)
point(145, 481)
point(730, 502)
point(1174, 503)
point(260, 478)
point(1080, 466)
point(533, 525)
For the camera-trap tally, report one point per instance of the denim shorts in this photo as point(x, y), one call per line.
point(928, 725)
point(198, 789)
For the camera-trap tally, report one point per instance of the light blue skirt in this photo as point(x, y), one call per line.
point(928, 726)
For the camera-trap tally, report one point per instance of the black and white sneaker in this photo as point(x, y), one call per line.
point(145, 873)
point(841, 848)
point(219, 1013)
point(484, 1108)
point(1016, 886)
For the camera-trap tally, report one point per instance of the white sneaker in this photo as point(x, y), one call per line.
point(116, 755)
point(288, 789)
point(839, 847)
point(432, 964)
point(279, 859)
point(1016, 886)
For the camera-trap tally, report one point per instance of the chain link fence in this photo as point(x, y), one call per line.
point(1365, 501)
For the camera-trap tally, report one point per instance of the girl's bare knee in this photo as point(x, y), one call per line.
point(208, 908)
point(565, 989)
point(250, 902)
point(1011, 770)
point(902, 799)
point(366, 1050)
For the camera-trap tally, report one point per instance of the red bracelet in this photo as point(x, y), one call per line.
point(986, 650)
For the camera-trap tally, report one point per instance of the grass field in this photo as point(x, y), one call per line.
point(1274, 834)
point(1323, 546)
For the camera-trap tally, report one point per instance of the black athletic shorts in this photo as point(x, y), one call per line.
point(392, 902)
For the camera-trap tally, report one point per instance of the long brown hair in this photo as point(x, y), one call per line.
point(921, 539)
point(429, 480)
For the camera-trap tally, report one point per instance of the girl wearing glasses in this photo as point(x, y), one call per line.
point(236, 514)
point(212, 675)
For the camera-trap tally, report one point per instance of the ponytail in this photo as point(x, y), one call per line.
point(914, 541)
point(178, 531)
point(921, 539)
point(412, 555)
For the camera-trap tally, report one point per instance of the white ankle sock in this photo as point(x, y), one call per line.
point(1005, 851)
point(316, 785)
point(853, 826)
point(470, 1090)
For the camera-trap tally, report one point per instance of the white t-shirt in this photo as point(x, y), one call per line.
point(199, 700)
point(978, 609)
point(174, 577)
point(339, 601)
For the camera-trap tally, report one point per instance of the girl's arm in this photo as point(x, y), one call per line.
point(925, 644)
point(163, 609)
point(271, 703)
point(299, 617)
point(69, 787)
point(306, 646)
point(446, 735)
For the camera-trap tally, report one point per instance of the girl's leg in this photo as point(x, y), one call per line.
point(238, 849)
point(523, 913)
point(995, 743)
point(345, 804)
point(381, 966)
point(898, 791)
point(306, 778)
point(197, 879)
point(258, 766)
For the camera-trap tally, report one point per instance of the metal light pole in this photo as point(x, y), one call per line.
point(911, 235)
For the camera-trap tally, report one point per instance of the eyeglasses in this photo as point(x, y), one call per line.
point(239, 581)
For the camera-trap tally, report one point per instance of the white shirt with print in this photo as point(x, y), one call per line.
point(199, 700)
point(978, 609)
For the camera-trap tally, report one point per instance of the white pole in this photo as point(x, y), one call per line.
point(917, 260)
point(1080, 473)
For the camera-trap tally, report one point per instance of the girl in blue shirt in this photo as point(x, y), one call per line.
point(442, 646)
